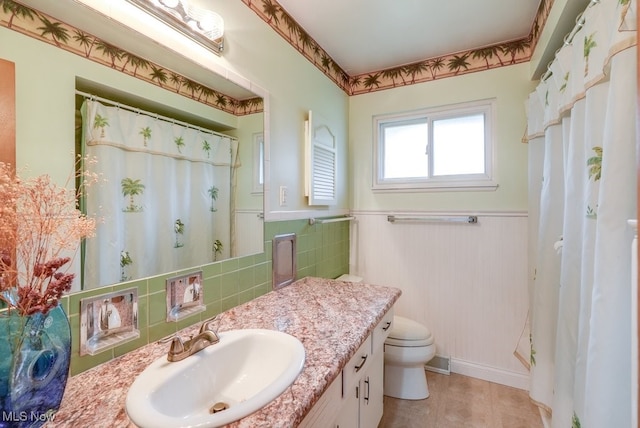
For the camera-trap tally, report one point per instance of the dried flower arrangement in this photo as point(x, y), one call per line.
point(40, 231)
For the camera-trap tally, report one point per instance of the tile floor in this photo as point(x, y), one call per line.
point(458, 401)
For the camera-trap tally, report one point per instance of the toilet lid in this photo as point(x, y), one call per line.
point(406, 332)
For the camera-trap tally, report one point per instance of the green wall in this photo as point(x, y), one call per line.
point(510, 87)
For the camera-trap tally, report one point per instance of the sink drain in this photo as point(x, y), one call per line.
point(218, 407)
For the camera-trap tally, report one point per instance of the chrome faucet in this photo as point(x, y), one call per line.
point(179, 349)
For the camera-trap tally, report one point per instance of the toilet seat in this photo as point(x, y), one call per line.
point(406, 332)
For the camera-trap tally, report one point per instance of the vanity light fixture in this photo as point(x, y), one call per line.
point(201, 25)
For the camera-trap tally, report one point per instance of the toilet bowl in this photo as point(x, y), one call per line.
point(408, 348)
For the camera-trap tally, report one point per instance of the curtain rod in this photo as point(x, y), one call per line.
point(568, 38)
point(154, 115)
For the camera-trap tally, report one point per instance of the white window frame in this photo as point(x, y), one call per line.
point(462, 182)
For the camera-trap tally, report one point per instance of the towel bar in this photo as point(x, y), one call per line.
point(471, 219)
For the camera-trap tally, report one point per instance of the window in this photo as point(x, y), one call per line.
point(446, 147)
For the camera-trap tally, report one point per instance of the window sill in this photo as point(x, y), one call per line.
point(484, 186)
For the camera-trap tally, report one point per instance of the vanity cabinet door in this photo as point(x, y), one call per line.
point(372, 392)
point(362, 403)
point(348, 416)
point(363, 376)
point(352, 375)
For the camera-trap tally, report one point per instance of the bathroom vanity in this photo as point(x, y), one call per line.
point(341, 325)
point(355, 398)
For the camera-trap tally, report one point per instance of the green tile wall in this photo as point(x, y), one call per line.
point(322, 251)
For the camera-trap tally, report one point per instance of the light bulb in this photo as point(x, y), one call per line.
point(209, 23)
point(193, 24)
point(206, 23)
point(170, 3)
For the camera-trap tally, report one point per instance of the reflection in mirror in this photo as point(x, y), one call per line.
point(137, 68)
point(185, 296)
point(166, 199)
point(174, 195)
point(108, 320)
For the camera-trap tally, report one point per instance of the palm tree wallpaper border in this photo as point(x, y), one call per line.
point(33, 23)
point(20, 18)
point(453, 64)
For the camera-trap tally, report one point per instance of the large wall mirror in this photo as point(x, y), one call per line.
point(143, 78)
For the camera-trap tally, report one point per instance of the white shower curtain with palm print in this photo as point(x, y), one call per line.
point(164, 200)
point(582, 139)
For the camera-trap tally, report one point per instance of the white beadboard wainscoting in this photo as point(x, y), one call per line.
point(466, 282)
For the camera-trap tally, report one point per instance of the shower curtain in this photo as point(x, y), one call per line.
point(164, 195)
point(582, 146)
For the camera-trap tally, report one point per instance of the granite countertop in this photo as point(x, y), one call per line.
point(331, 318)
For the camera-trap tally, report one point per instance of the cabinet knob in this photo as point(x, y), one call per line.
point(386, 327)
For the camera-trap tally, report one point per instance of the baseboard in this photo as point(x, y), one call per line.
point(491, 374)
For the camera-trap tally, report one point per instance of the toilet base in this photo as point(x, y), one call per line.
point(406, 383)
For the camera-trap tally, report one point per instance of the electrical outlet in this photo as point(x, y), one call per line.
point(283, 196)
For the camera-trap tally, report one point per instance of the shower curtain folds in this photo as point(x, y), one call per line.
point(164, 197)
point(582, 137)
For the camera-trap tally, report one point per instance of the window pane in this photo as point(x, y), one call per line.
point(404, 150)
point(458, 145)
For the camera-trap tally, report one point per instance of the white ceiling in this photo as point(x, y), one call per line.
point(370, 35)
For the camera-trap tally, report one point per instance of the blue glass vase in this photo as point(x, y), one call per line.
point(34, 366)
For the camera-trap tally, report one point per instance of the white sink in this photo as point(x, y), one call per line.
point(246, 370)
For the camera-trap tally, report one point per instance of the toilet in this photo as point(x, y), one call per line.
point(409, 346)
